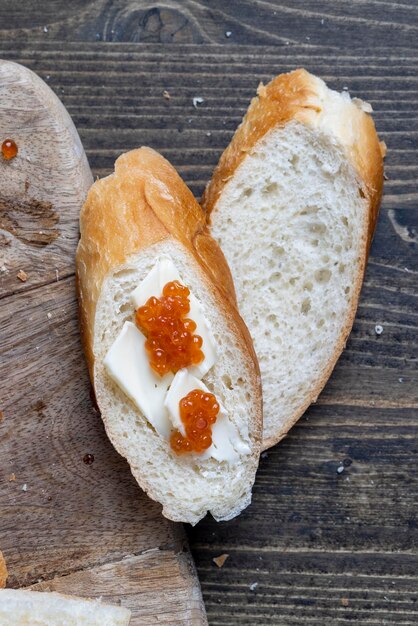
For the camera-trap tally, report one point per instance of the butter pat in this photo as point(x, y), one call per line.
point(127, 363)
point(163, 272)
point(227, 444)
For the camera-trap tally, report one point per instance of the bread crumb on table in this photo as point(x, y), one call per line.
point(344, 602)
point(166, 94)
point(22, 276)
point(12, 477)
point(220, 560)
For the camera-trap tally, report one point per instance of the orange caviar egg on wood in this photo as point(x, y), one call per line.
point(171, 343)
point(198, 412)
point(9, 149)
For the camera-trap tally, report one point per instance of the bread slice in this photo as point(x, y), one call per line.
point(19, 607)
point(130, 219)
point(293, 204)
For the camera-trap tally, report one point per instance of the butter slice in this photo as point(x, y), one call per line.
point(227, 444)
point(163, 272)
point(127, 363)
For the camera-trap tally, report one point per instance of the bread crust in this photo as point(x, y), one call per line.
point(3, 571)
point(303, 98)
point(144, 202)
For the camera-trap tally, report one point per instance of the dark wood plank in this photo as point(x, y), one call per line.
point(344, 24)
point(323, 547)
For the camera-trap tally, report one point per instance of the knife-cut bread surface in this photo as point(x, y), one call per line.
point(131, 218)
point(293, 204)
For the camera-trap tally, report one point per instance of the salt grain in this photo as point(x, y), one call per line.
point(228, 33)
point(24, 487)
point(253, 586)
point(196, 101)
point(340, 469)
point(378, 329)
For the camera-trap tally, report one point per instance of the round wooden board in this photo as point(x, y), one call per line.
point(66, 525)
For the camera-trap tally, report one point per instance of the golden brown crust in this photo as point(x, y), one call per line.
point(297, 96)
point(301, 97)
point(145, 201)
point(3, 572)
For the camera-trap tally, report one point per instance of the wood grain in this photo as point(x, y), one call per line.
point(154, 586)
point(59, 513)
point(342, 24)
point(311, 538)
point(43, 187)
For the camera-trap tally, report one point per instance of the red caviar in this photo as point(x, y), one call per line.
point(171, 344)
point(9, 149)
point(198, 412)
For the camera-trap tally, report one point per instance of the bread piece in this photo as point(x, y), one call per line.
point(19, 607)
point(293, 204)
point(131, 218)
point(3, 571)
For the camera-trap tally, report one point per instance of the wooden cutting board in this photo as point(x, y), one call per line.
point(67, 522)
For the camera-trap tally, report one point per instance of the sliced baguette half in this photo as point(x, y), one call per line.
point(19, 607)
point(130, 219)
point(293, 204)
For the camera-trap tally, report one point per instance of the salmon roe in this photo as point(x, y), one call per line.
point(171, 344)
point(9, 149)
point(198, 412)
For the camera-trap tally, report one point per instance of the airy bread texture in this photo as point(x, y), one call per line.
point(293, 203)
point(35, 608)
point(130, 219)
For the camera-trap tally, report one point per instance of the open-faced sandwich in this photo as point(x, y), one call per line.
point(172, 363)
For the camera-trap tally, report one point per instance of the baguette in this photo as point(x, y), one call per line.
point(130, 219)
point(19, 607)
point(293, 204)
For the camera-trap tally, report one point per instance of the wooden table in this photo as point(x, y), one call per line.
point(317, 546)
